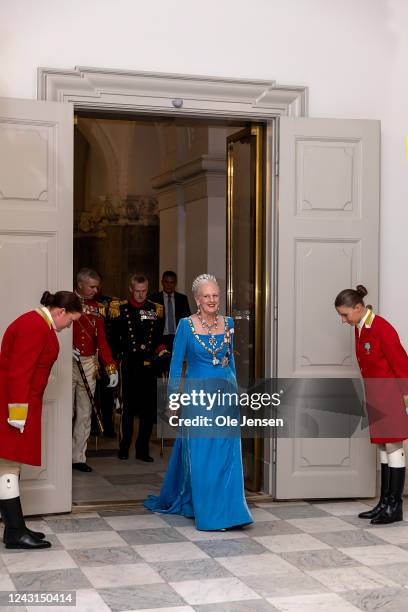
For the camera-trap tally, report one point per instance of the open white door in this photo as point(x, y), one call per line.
point(328, 241)
point(36, 183)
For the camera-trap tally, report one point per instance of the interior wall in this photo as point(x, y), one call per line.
point(352, 54)
point(116, 222)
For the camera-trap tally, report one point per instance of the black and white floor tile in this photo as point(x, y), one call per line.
point(297, 557)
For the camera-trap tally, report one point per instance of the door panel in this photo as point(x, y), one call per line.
point(244, 277)
point(328, 240)
point(36, 177)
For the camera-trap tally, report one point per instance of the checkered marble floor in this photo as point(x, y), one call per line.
point(298, 556)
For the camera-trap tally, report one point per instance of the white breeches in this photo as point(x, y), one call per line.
point(9, 476)
point(82, 409)
point(392, 453)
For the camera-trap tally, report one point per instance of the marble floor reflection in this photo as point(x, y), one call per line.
point(296, 557)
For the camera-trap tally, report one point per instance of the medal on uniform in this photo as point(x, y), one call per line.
point(367, 347)
point(149, 315)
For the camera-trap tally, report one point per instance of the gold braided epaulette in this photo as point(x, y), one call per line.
point(159, 309)
point(114, 307)
point(101, 309)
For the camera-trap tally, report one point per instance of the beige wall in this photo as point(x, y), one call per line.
point(353, 55)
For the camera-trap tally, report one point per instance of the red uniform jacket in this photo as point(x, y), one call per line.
point(384, 366)
point(28, 351)
point(89, 333)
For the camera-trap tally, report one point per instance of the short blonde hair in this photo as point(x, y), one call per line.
point(200, 280)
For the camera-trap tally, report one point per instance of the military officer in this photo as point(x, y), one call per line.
point(138, 340)
point(89, 340)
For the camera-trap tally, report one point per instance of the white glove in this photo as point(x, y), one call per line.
point(19, 424)
point(113, 379)
point(76, 353)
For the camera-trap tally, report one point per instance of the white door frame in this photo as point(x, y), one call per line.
point(179, 95)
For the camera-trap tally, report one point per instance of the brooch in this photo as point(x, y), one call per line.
point(367, 347)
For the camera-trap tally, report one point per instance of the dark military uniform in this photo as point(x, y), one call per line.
point(139, 344)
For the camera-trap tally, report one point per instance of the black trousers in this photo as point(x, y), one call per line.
point(139, 399)
point(168, 341)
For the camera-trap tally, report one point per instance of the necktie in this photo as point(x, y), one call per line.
point(171, 328)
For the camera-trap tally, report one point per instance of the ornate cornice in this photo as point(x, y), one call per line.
point(170, 94)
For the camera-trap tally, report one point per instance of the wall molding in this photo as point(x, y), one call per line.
point(170, 94)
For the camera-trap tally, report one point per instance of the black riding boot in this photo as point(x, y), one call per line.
point(383, 501)
point(393, 510)
point(16, 533)
point(36, 534)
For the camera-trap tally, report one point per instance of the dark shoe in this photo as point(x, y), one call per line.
point(393, 510)
point(123, 455)
point(35, 534)
point(145, 458)
point(16, 539)
point(383, 501)
point(81, 467)
point(16, 533)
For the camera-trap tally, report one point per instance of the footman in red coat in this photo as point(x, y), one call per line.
point(383, 364)
point(28, 352)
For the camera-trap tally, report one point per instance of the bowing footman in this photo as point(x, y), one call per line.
point(383, 363)
point(28, 351)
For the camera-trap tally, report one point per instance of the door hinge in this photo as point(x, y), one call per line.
point(275, 312)
point(277, 167)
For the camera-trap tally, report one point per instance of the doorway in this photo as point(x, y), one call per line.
point(160, 193)
point(313, 219)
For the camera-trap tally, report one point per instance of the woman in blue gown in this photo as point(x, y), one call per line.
point(204, 479)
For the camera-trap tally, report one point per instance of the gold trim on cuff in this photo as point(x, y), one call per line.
point(110, 369)
point(18, 412)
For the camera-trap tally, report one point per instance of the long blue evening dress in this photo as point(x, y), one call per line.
point(204, 478)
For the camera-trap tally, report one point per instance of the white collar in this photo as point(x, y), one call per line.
point(47, 315)
point(368, 315)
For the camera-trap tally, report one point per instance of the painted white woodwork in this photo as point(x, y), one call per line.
point(35, 255)
point(171, 94)
point(327, 215)
point(328, 241)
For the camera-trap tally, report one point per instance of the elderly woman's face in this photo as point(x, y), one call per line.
point(208, 298)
